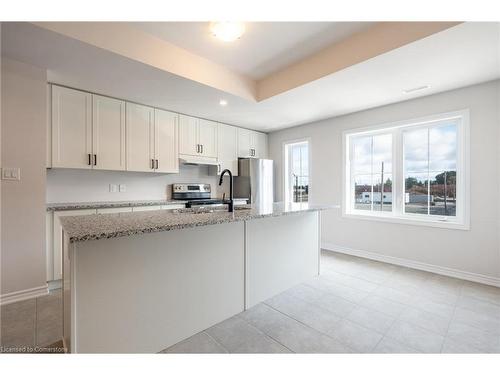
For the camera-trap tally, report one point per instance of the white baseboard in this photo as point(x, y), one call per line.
point(452, 272)
point(22, 295)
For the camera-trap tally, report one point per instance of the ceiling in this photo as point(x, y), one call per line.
point(264, 48)
point(459, 56)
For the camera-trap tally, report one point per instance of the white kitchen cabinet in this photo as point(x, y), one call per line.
point(251, 144)
point(260, 145)
point(139, 122)
point(188, 136)
point(227, 155)
point(165, 143)
point(57, 239)
point(48, 127)
point(108, 133)
point(114, 210)
point(71, 128)
point(49, 245)
point(197, 137)
point(207, 138)
point(244, 143)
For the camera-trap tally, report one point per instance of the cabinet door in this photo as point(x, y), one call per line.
point(207, 138)
point(166, 152)
point(260, 145)
point(244, 143)
point(140, 137)
point(49, 245)
point(188, 135)
point(71, 128)
point(108, 133)
point(57, 238)
point(227, 155)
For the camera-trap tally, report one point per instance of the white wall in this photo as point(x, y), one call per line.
point(72, 185)
point(476, 250)
point(23, 202)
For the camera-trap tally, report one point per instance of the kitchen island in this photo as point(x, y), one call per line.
point(142, 281)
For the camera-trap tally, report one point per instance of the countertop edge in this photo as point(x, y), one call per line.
point(96, 205)
point(167, 228)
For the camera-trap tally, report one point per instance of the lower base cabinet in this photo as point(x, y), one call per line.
point(54, 232)
point(56, 253)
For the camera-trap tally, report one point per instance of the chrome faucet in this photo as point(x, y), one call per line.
point(230, 205)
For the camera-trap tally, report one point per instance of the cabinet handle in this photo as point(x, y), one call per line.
point(218, 168)
point(157, 163)
point(152, 163)
point(90, 159)
point(95, 159)
point(201, 148)
point(198, 149)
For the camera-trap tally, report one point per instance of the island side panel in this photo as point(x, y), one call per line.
point(144, 293)
point(280, 252)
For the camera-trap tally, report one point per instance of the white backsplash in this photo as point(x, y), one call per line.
point(76, 185)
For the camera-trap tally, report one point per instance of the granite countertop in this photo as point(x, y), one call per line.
point(95, 227)
point(110, 204)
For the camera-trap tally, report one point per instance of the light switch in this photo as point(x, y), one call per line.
point(11, 174)
point(122, 188)
point(113, 188)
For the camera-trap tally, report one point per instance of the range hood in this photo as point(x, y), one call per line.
point(197, 160)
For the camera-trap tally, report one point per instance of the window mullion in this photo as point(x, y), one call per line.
point(398, 172)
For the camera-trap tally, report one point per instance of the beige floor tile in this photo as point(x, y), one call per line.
point(383, 305)
point(49, 318)
point(426, 320)
point(197, 344)
point(290, 333)
point(454, 347)
point(372, 319)
point(357, 337)
point(416, 337)
point(238, 336)
point(485, 341)
point(307, 313)
point(18, 324)
point(391, 346)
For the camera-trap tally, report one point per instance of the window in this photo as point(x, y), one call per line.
point(296, 172)
point(413, 171)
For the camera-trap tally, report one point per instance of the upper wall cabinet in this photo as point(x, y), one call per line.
point(71, 128)
point(88, 131)
point(227, 156)
point(251, 144)
point(197, 137)
point(140, 138)
point(108, 133)
point(151, 140)
point(165, 145)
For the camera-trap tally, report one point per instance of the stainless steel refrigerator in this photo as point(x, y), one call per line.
point(255, 181)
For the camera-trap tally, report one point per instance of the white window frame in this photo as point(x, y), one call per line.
point(460, 221)
point(284, 178)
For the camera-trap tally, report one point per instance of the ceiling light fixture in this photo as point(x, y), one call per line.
point(409, 91)
point(223, 102)
point(227, 31)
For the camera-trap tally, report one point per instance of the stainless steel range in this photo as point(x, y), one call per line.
point(199, 195)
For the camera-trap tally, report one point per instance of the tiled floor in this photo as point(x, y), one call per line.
point(362, 306)
point(356, 305)
point(31, 324)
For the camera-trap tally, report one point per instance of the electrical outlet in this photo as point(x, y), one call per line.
point(122, 188)
point(113, 188)
point(11, 174)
